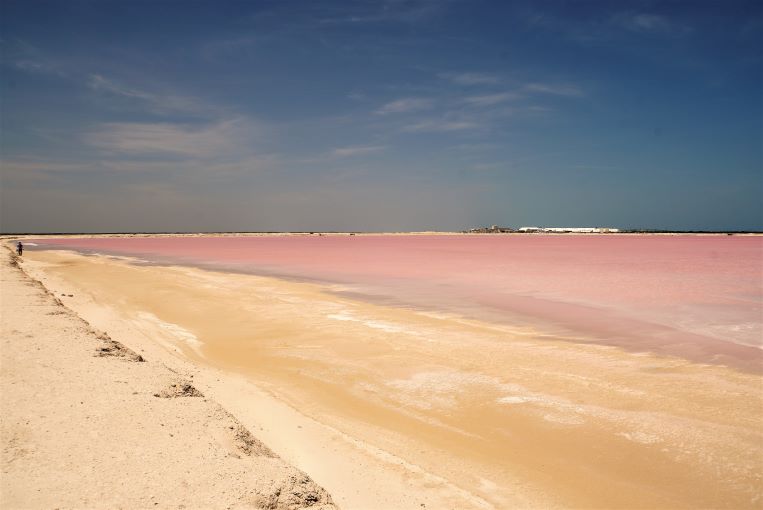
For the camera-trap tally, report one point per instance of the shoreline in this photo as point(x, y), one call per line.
point(384, 444)
point(565, 317)
point(143, 433)
point(27, 235)
point(356, 474)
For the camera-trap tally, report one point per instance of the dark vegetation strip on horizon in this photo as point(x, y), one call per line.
point(621, 231)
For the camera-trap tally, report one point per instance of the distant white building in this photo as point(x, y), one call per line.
point(575, 230)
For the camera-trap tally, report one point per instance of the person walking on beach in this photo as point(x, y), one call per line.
point(19, 248)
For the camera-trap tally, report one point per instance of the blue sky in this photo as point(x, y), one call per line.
point(380, 115)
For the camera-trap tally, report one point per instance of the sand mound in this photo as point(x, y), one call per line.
point(113, 348)
point(178, 390)
point(290, 493)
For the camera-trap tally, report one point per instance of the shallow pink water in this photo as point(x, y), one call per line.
point(696, 296)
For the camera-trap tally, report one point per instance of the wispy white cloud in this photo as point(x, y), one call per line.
point(31, 166)
point(649, 23)
point(405, 105)
point(28, 58)
point(180, 140)
point(539, 109)
point(491, 99)
point(155, 102)
point(29, 170)
point(607, 30)
point(479, 147)
point(470, 78)
point(440, 126)
point(37, 66)
point(488, 167)
point(98, 82)
point(397, 11)
point(556, 90)
point(343, 152)
point(357, 96)
point(212, 49)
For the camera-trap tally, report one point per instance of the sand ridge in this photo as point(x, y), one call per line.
point(89, 423)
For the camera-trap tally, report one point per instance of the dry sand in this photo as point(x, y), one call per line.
point(391, 408)
point(89, 423)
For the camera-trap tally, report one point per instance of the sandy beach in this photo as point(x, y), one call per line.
point(90, 423)
point(381, 254)
point(392, 407)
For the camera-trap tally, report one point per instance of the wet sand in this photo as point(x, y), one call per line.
point(474, 413)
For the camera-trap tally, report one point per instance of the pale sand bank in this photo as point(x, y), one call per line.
point(394, 408)
point(86, 424)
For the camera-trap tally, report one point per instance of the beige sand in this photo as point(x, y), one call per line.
point(87, 423)
point(393, 408)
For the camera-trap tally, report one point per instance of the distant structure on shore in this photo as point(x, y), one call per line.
point(495, 229)
point(576, 230)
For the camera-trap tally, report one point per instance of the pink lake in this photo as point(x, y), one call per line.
point(695, 296)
